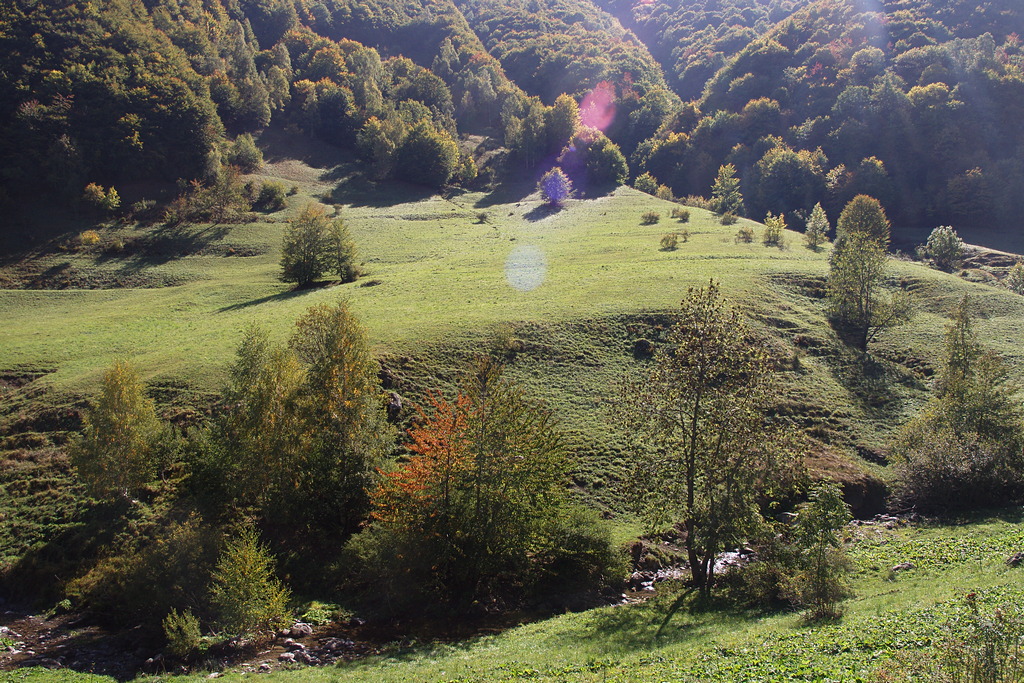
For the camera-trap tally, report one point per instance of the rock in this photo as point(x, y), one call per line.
point(903, 567)
point(650, 563)
point(356, 621)
point(264, 667)
point(295, 647)
point(334, 644)
point(215, 674)
point(1015, 560)
point(286, 657)
point(300, 629)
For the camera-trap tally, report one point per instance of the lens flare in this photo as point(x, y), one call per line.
point(525, 268)
point(597, 110)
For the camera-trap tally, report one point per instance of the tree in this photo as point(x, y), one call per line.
point(306, 427)
point(821, 584)
point(708, 451)
point(856, 271)
point(725, 193)
point(555, 187)
point(427, 156)
point(817, 229)
point(944, 247)
point(342, 257)
point(244, 154)
point(863, 214)
point(562, 120)
point(244, 593)
point(966, 447)
point(343, 407)
point(470, 507)
point(115, 455)
point(314, 245)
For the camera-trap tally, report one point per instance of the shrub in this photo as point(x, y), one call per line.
point(244, 154)
point(697, 202)
point(102, 200)
point(646, 183)
point(682, 215)
point(773, 227)
point(88, 238)
point(650, 218)
point(669, 242)
point(245, 594)
point(945, 248)
point(665, 192)
point(481, 217)
point(271, 197)
point(1015, 279)
point(745, 234)
point(730, 219)
point(142, 209)
point(182, 632)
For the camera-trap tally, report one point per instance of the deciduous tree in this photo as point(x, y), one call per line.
point(857, 268)
point(707, 450)
point(115, 455)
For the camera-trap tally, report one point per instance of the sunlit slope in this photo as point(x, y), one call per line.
point(433, 269)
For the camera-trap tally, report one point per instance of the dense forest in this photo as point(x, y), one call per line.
point(914, 103)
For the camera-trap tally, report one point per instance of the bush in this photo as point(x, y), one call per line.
point(142, 209)
point(182, 632)
point(244, 154)
point(945, 248)
point(773, 227)
point(665, 192)
point(646, 183)
point(730, 219)
point(697, 202)
point(682, 215)
point(271, 197)
point(245, 594)
point(650, 218)
point(88, 238)
point(669, 242)
point(745, 235)
point(983, 648)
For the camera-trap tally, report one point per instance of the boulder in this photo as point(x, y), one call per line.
point(300, 629)
point(903, 567)
point(1015, 560)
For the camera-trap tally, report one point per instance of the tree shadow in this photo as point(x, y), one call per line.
point(506, 193)
point(358, 190)
point(280, 296)
point(541, 212)
point(278, 145)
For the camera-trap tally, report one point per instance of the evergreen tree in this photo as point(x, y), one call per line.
point(244, 593)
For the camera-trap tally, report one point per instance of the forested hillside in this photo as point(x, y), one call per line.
point(916, 104)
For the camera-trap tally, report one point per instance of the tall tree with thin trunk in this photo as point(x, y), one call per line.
point(707, 451)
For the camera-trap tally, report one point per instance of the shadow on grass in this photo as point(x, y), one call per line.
point(506, 193)
point(358, 190)
point(541, 212)
point(281, 296)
